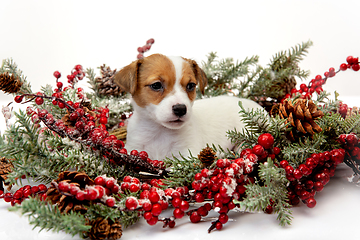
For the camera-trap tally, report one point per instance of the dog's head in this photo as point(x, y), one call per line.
point(162, 87)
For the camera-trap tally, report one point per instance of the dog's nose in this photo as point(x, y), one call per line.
point(179, 110)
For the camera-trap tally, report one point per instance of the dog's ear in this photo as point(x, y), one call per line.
point(127, 77)
point(199, 74)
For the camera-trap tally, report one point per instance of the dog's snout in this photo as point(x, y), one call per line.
point(179, 110)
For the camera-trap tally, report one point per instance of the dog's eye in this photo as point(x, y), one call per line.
point(156, 86)
point(190, 87)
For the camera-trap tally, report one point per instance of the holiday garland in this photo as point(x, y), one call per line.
point(74, 142)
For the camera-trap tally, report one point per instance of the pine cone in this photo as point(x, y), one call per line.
point(67, 203)
point(104, 228)
point(5, 168)
point(106, 84)
point(9, 83)
point(301, 116)
point(207, 156)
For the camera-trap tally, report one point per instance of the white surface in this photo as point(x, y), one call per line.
point(336, 216)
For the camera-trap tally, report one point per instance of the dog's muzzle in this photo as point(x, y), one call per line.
point(179, 110)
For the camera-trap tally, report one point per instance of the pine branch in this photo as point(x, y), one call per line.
point(183, 170)
point(257, 121)
point(223, 74)
point(271, 189)
point(48, 217)
point(296, 153)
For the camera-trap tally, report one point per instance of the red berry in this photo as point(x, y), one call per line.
point(184, 206)
point(64, 186)
point(57, 74)
point(110, 183)
point(199, 197)
point(310, 202)
point(39, 100)
point(134, 188)
point(195, 217)
point(258, 150)
point(343, 67)
point(284, 163)
point(318, 186)
point(143, 155)
point(150, 41)
point(154, 197)
point(356, 67)
point(80, 195)
point(134, 152)
point(218, 225)
point(266, 140)
point(18, 99)
point(131, 203)
point(147, 206)
point(147, 215)
point(178, 213)
point(276, 150)
point(110, 202)
point(156, 209)
point(152, 221)
point(223, 218)
point(103, 120)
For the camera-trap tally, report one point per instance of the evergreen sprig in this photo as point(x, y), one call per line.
point(48, 217)
point(222, 74)
point(257, 121)
point(182, 171)
point(270, 189)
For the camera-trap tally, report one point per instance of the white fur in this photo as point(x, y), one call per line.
point(206, 122)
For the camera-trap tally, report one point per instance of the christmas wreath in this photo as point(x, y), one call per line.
point(72, 142)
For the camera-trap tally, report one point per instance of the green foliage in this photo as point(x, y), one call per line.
point(183, 170)
point(270, 188)
point(222, 74)
point(282, 69)
point(43, 156)
point(46, 216)
point(257, 121)
point(127, 218)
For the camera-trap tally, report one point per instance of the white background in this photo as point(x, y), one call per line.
point(44, 36)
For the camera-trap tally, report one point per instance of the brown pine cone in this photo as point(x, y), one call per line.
point(207, 156)
point(66, 202)
point(106, 84)
point(5, 168)
point(104, 229)
point(9, 83)
point(301, 115)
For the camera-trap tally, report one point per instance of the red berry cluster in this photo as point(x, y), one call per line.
point(101, 191)
point(77, 74)
point(311, 176)
point(316, 84)
point(24, 192)
point(351, 143)
point(153, 200)
point(145, 48)
point(91, 131)
point(227, 182)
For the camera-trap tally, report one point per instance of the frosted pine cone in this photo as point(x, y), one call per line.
point(9, 83)
point(301, 115)
point(105, 83)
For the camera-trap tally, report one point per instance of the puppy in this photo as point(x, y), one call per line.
point(167, 120)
